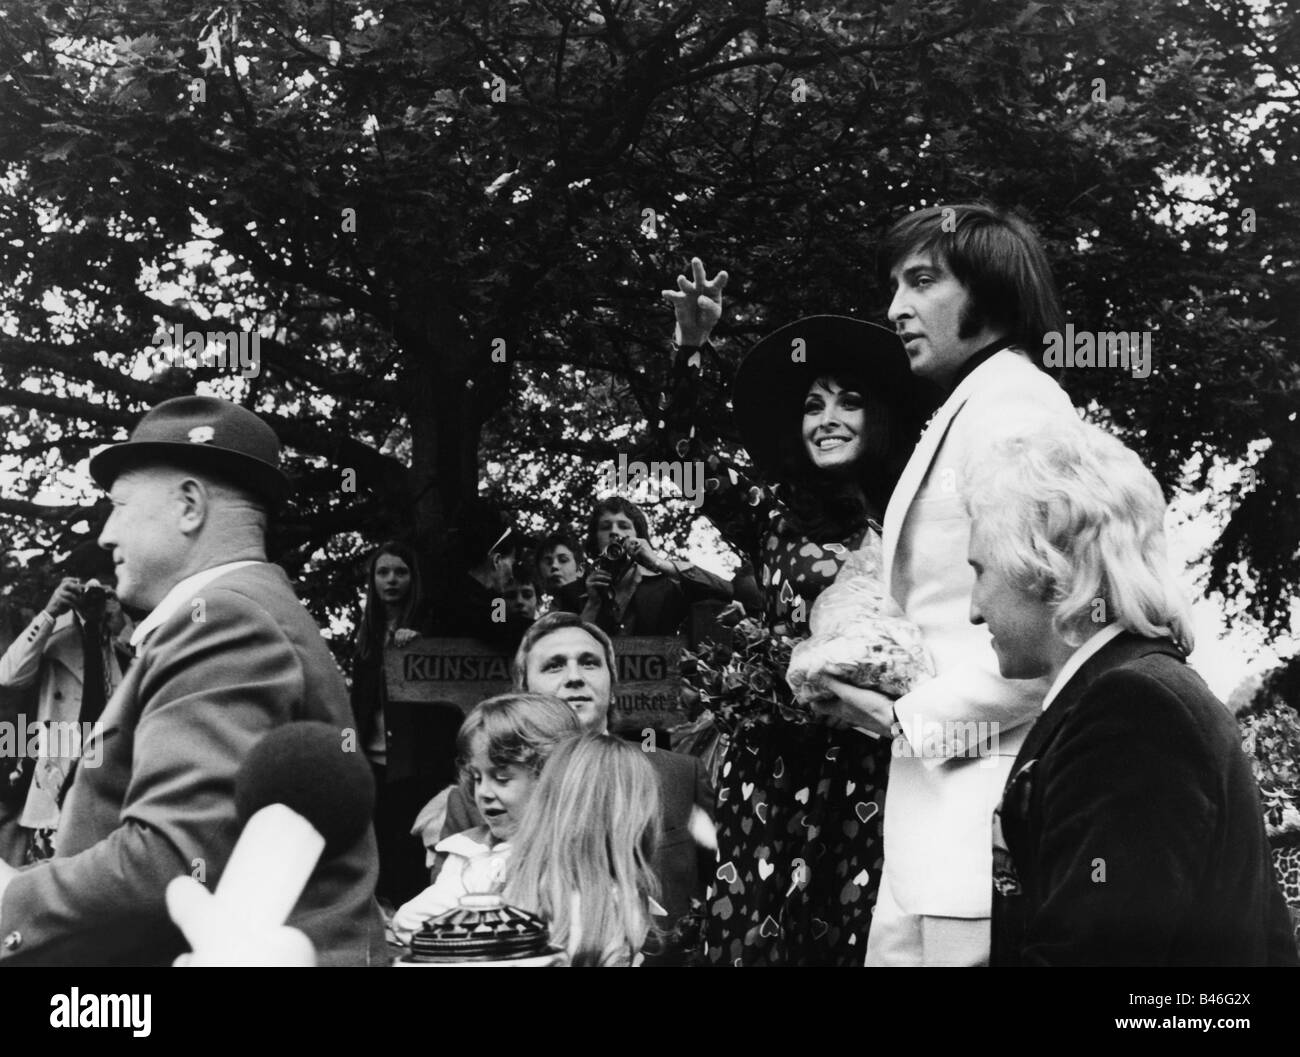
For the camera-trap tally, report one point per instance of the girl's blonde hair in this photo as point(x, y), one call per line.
point(519, 729)
point(582, 857)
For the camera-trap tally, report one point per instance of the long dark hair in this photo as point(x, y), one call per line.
point(828, 508)
point(373, 622)
point(996, 255)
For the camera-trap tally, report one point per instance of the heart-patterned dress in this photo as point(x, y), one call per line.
point(799, 814)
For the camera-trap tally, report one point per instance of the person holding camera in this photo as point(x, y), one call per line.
point(631, 588)
point(77, 650)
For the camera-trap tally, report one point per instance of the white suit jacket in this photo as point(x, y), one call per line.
point(50, 649)
point(939, 806)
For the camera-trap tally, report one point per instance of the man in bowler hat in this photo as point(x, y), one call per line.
point(226, 654)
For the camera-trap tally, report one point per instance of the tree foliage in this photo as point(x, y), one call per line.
point(525, 175)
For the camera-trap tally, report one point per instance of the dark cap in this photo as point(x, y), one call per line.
point(201, 433)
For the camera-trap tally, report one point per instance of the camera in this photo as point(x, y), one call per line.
point(93, 601)
point(614, 560)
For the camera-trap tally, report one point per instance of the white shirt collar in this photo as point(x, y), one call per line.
point(179, 596)
point(471, 843)
point(1079, 657)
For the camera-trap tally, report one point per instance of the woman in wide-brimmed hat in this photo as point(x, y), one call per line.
point(828, 411)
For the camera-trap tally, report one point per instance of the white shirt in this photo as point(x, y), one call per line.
point(1079, 657)
point(179, 596)
point(474, 864)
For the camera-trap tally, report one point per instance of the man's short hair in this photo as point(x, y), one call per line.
point(557, 621)
point(560, 538)
point(616, 504)
point(993, 253)
point(219, 484)
point(1071, 512)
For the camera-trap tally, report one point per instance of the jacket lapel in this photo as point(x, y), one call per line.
point(900, 502)
point(1125, 648)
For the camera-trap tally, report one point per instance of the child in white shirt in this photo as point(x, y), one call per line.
point(502, 747)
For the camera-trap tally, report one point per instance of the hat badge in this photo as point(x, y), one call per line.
point(201, 435)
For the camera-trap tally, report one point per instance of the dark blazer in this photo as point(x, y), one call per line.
point(683, 785)
point(161, 803)
point(1132, 826)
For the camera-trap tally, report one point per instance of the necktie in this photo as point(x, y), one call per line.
point(94, 683)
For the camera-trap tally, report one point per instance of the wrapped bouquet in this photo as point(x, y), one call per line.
point(859, 635)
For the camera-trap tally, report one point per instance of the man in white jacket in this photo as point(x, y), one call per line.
point(51, 653)
point(972, 298)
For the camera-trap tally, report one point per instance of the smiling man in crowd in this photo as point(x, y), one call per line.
point(564, 656)
point(226, 654)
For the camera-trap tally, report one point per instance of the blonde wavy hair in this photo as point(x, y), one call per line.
point(1068, 510)
point(582, 855)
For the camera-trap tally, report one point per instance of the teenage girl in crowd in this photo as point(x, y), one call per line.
point(410, 749)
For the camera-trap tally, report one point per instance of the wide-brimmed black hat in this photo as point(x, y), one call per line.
point(201, 433)
point(773, 380)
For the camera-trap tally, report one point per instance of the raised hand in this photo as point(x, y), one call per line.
point(65, 596)
point(697, 303)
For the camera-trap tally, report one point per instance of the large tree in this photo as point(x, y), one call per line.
point(449, 221)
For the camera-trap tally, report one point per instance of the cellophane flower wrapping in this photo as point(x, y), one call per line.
point(858, 634)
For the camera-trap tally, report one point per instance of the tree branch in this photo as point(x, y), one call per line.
point(41, 511)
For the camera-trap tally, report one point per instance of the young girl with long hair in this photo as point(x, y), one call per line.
point(582, 859)
point(501, 749)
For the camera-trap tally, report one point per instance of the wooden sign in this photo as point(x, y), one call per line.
point(465, 671)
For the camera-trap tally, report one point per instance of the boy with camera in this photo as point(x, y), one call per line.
point(631, 588)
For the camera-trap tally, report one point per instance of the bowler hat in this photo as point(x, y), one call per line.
point(205, 434)
point(773, 380)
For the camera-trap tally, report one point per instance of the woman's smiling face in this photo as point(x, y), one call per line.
point(834, 424)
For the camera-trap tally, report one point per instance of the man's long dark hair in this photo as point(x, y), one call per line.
point(993, 253)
